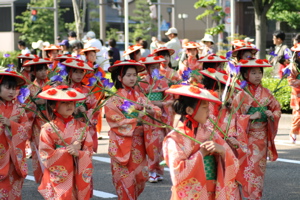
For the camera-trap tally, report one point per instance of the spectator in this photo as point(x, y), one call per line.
point(72, 37)
point(174, 43)
point(138, 40)
point(22, 47)
point(76, 49)
point(153, 44)
point(208, 41)
point(116, 52)
point(278, 39)
point(65, 47)
point(111, 57)
point(296, 39)
point(144, 50)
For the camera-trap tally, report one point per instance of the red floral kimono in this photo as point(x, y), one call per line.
point(126, 145)
point(36, 129)
point(294, 82)
point(89, 104)
point(65, 176)
point(170, 74)
point(154, 90)
point(260, 141)
point(197, 177)
point(190, 62)
point(13, 167)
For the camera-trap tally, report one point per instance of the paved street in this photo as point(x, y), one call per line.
point(281, 182)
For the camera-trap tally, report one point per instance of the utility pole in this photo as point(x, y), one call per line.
point(55, 7)
point(102, 20)
point(126, 21)
point(232, 18)
point(158, 21)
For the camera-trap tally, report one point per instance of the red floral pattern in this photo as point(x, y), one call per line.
point(71, 94)
point(51, 92)
point(194, 90)
point(211, 70)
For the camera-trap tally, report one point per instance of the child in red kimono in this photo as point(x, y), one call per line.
point(84, 110)
point(198, 171)
point(25, 71)
point(14, 127)
point(65, 148)
point(127, 131)
point(133, 52)
point(191, 59)
point(39, 70)
point(166, 69)
point(259, 116)
point(154, 87)
point(294, 82)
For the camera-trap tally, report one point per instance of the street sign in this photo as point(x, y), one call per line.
point(164, 26)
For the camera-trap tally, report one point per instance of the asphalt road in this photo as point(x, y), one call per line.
point(281, 181)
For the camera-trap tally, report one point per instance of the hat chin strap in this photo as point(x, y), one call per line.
point(191, 119)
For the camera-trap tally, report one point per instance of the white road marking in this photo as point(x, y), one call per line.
point(96, 193)
point(288, 160)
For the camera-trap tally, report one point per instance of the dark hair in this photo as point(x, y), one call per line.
point(38, 67)
point(212, 84)
point(144, 44)
point(179, 105)
point(137, 39)
point(112, 42)
point(131, 56)
point(110, 53)
point(165, 53)
point(72, 34)
point(9, 81)
point(281, 59)
point(77, 45)
point(101, 41)
point(117, 72)
point(207, 65)
point(279, 34)
point(244, 70)
point(22, 43)
point(50, 112)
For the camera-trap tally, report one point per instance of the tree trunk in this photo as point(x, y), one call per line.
point(260, 33)
point(79, 20)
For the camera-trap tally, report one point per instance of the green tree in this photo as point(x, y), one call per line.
point(42, 28)
point(286, 11)
point(261, 7)
point(216, 12)
point(145, 25)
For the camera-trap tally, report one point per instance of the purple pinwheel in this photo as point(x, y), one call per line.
point(186, 74)
point(61, 66)
point(107, 84)
point(228, 55)
point(127, 106)
point(287, 54)
point(57, 78)
point(63, 72)
point(92, 81)
point(272, 54)
point(6, 55)
point(286, 72)
point(24, 93)
point(98, 75)
point(233, 69)
point(243, 84)
point(155, 75)
point(51, 66)
point(298, 54)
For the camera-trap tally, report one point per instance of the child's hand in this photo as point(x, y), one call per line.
point(77, 144)
point(213, 147)
point(203, 151)
point(81, 109)
point(269, 113)
point(72, 150)
point(256, 115)
point(15, 118)
point(233, 142)
point(4, 121)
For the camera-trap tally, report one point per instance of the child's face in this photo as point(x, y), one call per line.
point(130, 77)
point(152, 67)
point(254, 75)
point(6, 93)
point(77, 75)
point(41, 74)
point(91, 56)
point(138, 56)
point(191, 52)
point(247, 55)
point(53, 54)
point(167, 58)
point(66, 108)
point(202, 112)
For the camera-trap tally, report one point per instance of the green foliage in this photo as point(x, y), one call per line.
point(283, 95)
point(286, 11)
point(145, 25)
point(42, 28)
point(216, 13)
point(12, 59)
point(112, 34)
